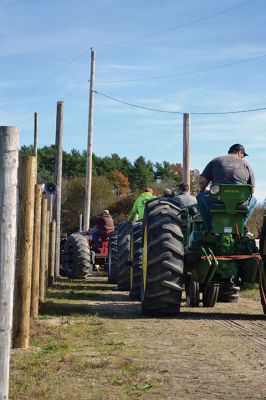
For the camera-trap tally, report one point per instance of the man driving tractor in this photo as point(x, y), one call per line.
point(229, 169)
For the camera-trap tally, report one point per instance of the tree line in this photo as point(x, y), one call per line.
point(132, 176)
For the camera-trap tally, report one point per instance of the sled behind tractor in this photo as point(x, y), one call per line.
point(179, 251)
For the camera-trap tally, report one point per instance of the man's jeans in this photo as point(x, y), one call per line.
point(205, 201)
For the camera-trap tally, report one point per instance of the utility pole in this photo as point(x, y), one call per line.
point(58, 181)
point(8, 204)
point(87, 207)
point(186, 151)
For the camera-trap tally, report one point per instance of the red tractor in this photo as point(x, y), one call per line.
point(82, 256)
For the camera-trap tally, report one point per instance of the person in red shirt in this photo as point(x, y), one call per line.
point(104, 225)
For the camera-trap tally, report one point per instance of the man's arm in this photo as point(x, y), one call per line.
point(203, 182)
point(205, 177)
point(251, 180)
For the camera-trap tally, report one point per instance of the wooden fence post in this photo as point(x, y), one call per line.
point(47, 250)
point(80, 222)
point(8, 196)
point(43, 251)
point(36, 252)
point(26, 183)
point(51, 266)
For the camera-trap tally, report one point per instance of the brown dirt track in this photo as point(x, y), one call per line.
point(93, 343)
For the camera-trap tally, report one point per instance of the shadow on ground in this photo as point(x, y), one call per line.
point(87, 295)
point(132, 310)
point(120, 311)
point(99, 283)
point(110, 303)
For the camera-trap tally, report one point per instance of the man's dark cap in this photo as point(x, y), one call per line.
point(237, 147)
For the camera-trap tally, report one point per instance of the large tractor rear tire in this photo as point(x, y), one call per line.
point(136, 261)
point(163, 259)
point(263, 296)
point(123, 253)
point(262, 271)
point(76, 257)
point(210, 295)
point(112, 257)
point(228, 292)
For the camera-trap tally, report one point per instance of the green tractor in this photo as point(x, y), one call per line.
point(180, 252)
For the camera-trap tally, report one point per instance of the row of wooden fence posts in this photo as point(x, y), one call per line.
point(35, 262)
point(27, 250)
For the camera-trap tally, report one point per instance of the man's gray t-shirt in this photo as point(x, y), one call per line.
point(185, 199)
point(229, 170)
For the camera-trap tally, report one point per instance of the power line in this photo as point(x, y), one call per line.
point(43, 81)
point(120, 42)
point(178, 112)
point(184, 73)
point(62, 98)
point(195, 21)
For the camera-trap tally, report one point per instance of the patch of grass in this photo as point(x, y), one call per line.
point(140, 387)
point(250, 289)
point(44, 317)
point(53, 347)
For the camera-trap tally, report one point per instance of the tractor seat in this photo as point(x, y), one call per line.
point(242, 206)
point(218, 205)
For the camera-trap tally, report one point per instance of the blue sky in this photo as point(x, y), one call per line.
point(38, 38)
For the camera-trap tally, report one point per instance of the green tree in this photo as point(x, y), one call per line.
point(73, 195)
point(74, 163)
point(164, 170)
point(73, 198)
point(142, 174)
point(105, 165)
point(26, 150)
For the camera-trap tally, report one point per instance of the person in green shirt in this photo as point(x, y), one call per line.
point(139, 204)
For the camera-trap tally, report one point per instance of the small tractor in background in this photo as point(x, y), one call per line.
point(179, 252)
point(81, 257)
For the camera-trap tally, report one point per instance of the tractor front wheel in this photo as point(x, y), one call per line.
point(210, 295)
point(192, 293)
point(228, 292)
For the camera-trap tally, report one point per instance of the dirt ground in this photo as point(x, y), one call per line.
point(92, 343)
